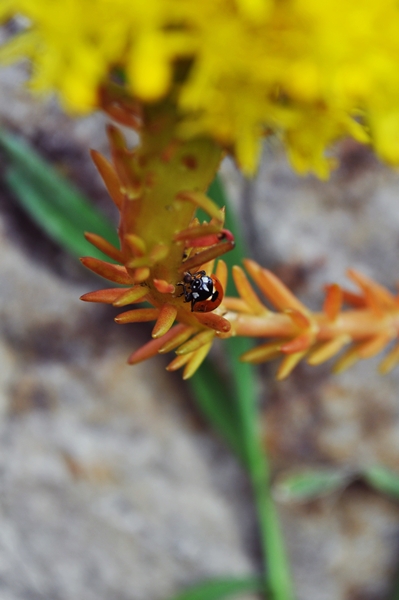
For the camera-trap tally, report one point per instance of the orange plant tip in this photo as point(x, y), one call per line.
point(115, 273)
point(204, 337)
point(247, 293)
point(221, 273)
point(179, 362)
point(107, 296)
point(132, 295)
point(201, 201)
point(136, 244)
point(380, 294)
point(262, 353)
point(159, 252)
point(347, 360)
point(181, 334)
point(199, 259)
point(273, 288)
point(196, 360)
point(288, 364)
point(139, 262)
point(214, 321)
point(323, 352)
point(165, 320)
point(109, 177)
point(163, 287)
point(390, 361)
point(141, 274)
point(374, 346)
point(197, 231)
point(153, 347)
point(299, 318)
point(298, 344)
point(104, 246)
point(138, 315)
point(333, 301)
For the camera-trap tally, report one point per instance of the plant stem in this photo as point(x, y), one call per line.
point(277, 573)
point(275, 559)
point(276, 569)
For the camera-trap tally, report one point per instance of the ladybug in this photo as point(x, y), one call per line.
point(205, 293)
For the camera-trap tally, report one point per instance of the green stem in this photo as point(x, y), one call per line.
point(277, 573)
point(276, 569)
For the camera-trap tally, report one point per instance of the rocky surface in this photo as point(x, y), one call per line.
point(109, 487)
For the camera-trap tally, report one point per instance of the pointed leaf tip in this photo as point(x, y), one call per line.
point(138, 315)
point(166, 318)
point(107, 296)
point(115, 273)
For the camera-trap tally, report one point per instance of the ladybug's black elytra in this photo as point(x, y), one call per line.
point(198, 287)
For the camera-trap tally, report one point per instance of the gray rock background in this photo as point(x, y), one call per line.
point(111, 486)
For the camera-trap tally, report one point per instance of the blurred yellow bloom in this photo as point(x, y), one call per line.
point(309, 71)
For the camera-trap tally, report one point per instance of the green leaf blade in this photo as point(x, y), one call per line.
point(383, 480)
point(52, 201)
point(48, 217)
point(220, 588)
point(310, 484)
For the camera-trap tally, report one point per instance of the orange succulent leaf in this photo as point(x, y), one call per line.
point(262, 353)
point(390, 360)
point(352, 299)
point(182, 334)
point(115, 273)
point(247, 292)
point(214, 321)
point(124, 109)
point(237, 305)
point(109, 177)
point(222, 273)
point(107, 296)
point(196, 359)
point(199, 231)
point(204, 337)
point(347, 360)
point(299, 344)
point(165, 320)
point(381, 296)
point(274, 289)
point(201, 201)
point(125, 166)
point(163, 286)
point(333, 301)
point(301, 320)
point(137, 315)
point(140, 274)
point(374, 346)
point(326, 350)
point(179, 362)
point(288, 364)
point(154, 346)
point(104, 246)
point(197, 260)
point(132, 295)
point(135, 243)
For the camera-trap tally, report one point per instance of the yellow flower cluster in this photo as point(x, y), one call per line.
point(310, 71)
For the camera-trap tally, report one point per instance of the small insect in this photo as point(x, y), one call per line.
point(205, 293)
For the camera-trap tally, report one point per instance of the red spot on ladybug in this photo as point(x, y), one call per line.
point(203, 291)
